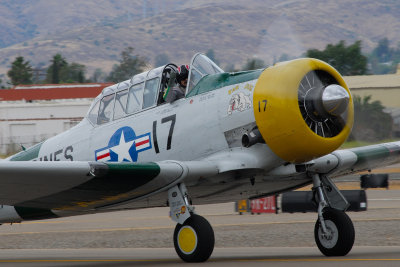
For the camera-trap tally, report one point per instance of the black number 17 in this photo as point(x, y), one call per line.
point(172, 119)
point(259, 105)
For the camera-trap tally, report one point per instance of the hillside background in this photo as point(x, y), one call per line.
point(94, 32)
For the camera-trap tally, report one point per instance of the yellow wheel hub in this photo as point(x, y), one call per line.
point(187, 239)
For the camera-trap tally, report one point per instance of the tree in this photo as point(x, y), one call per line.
point(253, 64)
point(348, 60)
point(371, 122)
point(230, 68)
point(129, 65)
point(1, 84)
point(384, 59)
point(161, 59)
point(284, 57)
point(20, 72)
point(98, 76)
point(54, 72)
point(75, 73)
point(60, 71)
point(382, 51)
point(211, 55)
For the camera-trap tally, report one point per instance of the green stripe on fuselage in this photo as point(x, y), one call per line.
point(376, 152)
point(145, 171)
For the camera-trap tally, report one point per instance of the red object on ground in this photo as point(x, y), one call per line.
point(263, 205)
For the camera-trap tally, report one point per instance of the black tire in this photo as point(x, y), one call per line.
point(194, 240)
point(341, 227)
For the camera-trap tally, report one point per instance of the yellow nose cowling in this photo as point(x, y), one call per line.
point(286, 122)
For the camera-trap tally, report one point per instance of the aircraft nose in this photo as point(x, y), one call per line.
point(325, 102)
point(335, 99)
point(303, 109)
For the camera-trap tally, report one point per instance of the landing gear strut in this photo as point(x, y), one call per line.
point(193, 235)
point(334, 230)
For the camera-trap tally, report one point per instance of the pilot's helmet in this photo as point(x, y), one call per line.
point(183, 73)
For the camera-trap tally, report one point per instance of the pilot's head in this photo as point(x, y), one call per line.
point(182, 75)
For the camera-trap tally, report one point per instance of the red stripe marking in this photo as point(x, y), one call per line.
point(103, 156)
point(142, 143)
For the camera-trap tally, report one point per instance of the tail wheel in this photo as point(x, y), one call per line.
point(194, 240)
point(339, 238)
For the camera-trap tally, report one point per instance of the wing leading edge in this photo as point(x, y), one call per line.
point(346, 161)
point(86, 185)
point(367, 158)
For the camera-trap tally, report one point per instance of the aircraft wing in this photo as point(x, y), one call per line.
point(70, 185)
point(67, 184)
point(346, 161)
point(74, 184)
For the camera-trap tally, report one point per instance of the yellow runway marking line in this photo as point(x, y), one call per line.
point(91, 230)
point(95, 220)
point(393, 185)
point(110, 260)
point(143, 228)
point(316, 260)
point(171, 227)
point(39, 222)
point(106, 220)
point(211, 260)
point(383, 170)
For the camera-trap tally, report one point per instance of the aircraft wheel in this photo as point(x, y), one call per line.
point(194, 240)
point(340, 238)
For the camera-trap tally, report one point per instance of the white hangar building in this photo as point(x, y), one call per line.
point(30, 114)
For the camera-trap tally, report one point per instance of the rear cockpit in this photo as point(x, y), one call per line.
point(145, 90)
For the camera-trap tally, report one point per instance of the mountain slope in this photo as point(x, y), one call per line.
point(96, 32)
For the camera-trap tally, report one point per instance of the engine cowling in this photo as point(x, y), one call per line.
point(303, 109)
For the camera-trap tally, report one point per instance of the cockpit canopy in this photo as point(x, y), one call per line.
point(145, 90)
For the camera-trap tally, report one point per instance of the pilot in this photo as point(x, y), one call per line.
point(178, 91)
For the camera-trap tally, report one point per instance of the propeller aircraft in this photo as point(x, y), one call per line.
point(234, 135)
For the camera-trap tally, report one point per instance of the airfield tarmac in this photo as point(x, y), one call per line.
point(144, 238)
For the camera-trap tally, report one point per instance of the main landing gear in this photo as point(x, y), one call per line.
point(334, 231)
point(193, 235)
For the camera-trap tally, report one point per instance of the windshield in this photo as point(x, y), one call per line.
point(201, 66)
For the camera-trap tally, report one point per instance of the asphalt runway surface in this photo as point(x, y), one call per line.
point(144, 238)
